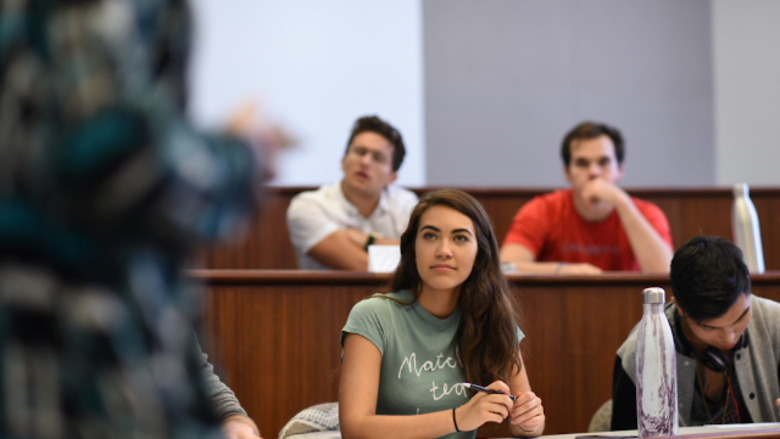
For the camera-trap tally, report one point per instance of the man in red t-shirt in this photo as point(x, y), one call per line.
point(595, 225)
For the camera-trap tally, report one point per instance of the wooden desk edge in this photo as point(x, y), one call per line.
point(763, 433)
point(284, 276)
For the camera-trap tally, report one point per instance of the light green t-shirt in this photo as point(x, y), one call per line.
point(420, 373)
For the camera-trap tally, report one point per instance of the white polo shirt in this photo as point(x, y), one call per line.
point(313, 215)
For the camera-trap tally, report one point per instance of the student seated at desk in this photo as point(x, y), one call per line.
point(449, 318)
point(332, 227)
point(727, 342)
point(594, 226)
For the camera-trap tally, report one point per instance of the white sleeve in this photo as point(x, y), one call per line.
point(308, 223)
point(406, 206)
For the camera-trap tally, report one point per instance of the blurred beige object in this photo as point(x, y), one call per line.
point(267, 138)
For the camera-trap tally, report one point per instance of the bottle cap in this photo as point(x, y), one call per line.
point(654, 295)
point(741, 189)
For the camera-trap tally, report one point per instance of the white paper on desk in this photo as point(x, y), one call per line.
point(320, 435)
point(383, 258)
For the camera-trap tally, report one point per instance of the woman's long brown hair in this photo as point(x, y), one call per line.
point(487, 344)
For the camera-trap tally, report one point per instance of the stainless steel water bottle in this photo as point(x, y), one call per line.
point(656, 370)
point(746, 228)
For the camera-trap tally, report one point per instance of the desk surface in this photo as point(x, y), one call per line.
point(757, 430)
point(754, 431)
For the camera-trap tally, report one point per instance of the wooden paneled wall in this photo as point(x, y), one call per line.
point(691, 212)
point(275, 336)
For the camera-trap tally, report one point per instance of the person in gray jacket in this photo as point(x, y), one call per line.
point(727, 342)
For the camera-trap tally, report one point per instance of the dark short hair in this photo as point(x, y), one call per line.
point(379, 126)
point(591, 130)
point(708, 276)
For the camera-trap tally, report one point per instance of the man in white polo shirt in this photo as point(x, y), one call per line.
point(333, 226)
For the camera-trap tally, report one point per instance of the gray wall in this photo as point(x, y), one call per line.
point(484, 91)
point(505, 79)
point(315, 66)
point(747, 83)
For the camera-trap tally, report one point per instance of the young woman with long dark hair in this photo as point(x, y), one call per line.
point(449, 318)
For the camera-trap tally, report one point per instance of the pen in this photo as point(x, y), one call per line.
point(479, 388)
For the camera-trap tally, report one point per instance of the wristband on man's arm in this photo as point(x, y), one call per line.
point(371, 239)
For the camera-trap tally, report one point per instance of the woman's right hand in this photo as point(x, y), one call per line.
point(484, 407)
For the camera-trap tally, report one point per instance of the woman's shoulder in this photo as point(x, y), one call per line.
point(384, 301)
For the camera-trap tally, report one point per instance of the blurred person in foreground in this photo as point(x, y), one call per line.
point(106, 190)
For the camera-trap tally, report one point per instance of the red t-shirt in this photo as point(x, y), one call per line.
point(550, 226)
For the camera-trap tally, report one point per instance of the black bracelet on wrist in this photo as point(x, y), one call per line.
point(455, 421)
point(371, 240)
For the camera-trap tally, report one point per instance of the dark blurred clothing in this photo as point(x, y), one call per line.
point(105, 191)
